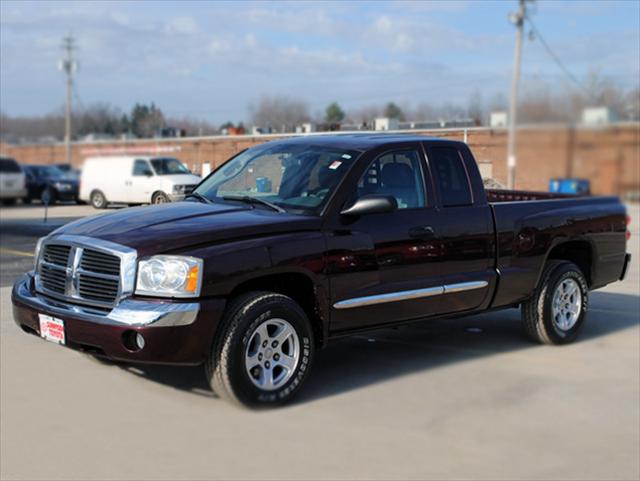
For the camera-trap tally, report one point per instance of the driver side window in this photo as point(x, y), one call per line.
point(141, 168)
point(397, 174)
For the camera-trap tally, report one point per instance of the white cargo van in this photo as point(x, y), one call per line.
point(134, 180)
point(12, 181)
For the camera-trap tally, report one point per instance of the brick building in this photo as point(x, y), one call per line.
point(608, 156)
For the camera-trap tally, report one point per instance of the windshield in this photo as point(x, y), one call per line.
point(168, 166)
point(51, 172)
point(45, 171)
point(294, 177)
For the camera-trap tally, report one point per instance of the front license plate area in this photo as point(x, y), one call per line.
point(51, 329)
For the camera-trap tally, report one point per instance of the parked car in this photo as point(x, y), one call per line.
point(350, 233)
point(12, 181)
point(49, 184)
point(134, 180)
point(69, 171)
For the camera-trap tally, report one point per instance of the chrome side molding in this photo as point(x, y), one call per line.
point(465, 286)
point(408, 295)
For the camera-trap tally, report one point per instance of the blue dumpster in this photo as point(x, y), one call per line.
point(263, 184)
point(569, 186)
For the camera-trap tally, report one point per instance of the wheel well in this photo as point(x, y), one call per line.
point(157, 192)
point(578, 252)
point(297, 286)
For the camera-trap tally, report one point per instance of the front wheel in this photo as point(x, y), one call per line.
point(556, 312)
point(159, 198)
point(264, 351)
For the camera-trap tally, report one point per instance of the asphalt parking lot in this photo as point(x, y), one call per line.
point(458, 399)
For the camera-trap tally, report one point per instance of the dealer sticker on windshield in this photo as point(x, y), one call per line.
point(51, 328)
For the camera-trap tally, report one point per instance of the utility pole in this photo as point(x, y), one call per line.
point(518, 20)
point(69, 66)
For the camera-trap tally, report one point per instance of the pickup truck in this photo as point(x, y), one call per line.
point(292, 243)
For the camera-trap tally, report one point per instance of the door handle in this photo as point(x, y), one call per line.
point(422, 232)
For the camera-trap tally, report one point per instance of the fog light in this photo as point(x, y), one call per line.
point(133, 341)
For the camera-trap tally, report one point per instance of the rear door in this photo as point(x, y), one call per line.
point(384, 267)
point(467, 247)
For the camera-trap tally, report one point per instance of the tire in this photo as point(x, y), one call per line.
point(9, 201)
point(98, 200)
point(26, 200)
point(159, 198)
point(240, 366)
point(552, 315)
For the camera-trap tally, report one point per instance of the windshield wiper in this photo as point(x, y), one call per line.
point(254, 200)
point(199, 196)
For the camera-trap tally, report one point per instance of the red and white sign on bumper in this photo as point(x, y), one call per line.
point(51, 329)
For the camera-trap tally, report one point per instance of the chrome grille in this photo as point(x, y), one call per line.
point(53, 279)
point(80, 274)
point(96, 261)
point(56, 254)
point(97, 288)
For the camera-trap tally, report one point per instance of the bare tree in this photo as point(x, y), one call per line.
point(279, 112)
point(475, 107)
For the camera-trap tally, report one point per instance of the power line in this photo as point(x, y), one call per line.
point(553, 55)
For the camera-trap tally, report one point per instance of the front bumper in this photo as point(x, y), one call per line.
point(176, 197)
point(12, 193)
point(174, 332)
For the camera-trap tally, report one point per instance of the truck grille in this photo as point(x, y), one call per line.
point(80, 274)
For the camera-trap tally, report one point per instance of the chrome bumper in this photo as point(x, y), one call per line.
point(129, 312)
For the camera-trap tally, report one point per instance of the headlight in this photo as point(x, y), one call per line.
point(36, 253)
point(183, 189)
point(169, 276)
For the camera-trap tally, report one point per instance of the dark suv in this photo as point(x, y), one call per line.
point(48, 183)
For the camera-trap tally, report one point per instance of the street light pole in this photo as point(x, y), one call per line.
point(518, 20)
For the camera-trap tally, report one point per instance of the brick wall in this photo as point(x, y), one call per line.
point(609, 157)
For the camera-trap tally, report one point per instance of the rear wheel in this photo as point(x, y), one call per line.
point(98, 200)
point(556, 312)
point(264, 351)
point(159, 198)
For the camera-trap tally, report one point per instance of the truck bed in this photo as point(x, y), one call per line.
point(500, 195)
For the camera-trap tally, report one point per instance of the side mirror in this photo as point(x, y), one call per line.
point(148, 173)
point(372, 204)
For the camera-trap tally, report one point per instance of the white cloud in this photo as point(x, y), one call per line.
point(182, 26)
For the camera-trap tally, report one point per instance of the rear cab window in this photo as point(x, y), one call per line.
point(450, 175)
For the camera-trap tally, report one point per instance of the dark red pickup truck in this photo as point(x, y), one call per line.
point(294, 242)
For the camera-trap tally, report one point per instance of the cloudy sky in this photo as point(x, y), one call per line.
point(213, 60)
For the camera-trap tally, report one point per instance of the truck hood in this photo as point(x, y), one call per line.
point(171, 227)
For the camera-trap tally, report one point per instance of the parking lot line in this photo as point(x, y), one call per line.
point(14, 252)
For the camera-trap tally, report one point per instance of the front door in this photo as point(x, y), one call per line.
point(142, 183)
point(384, 267)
